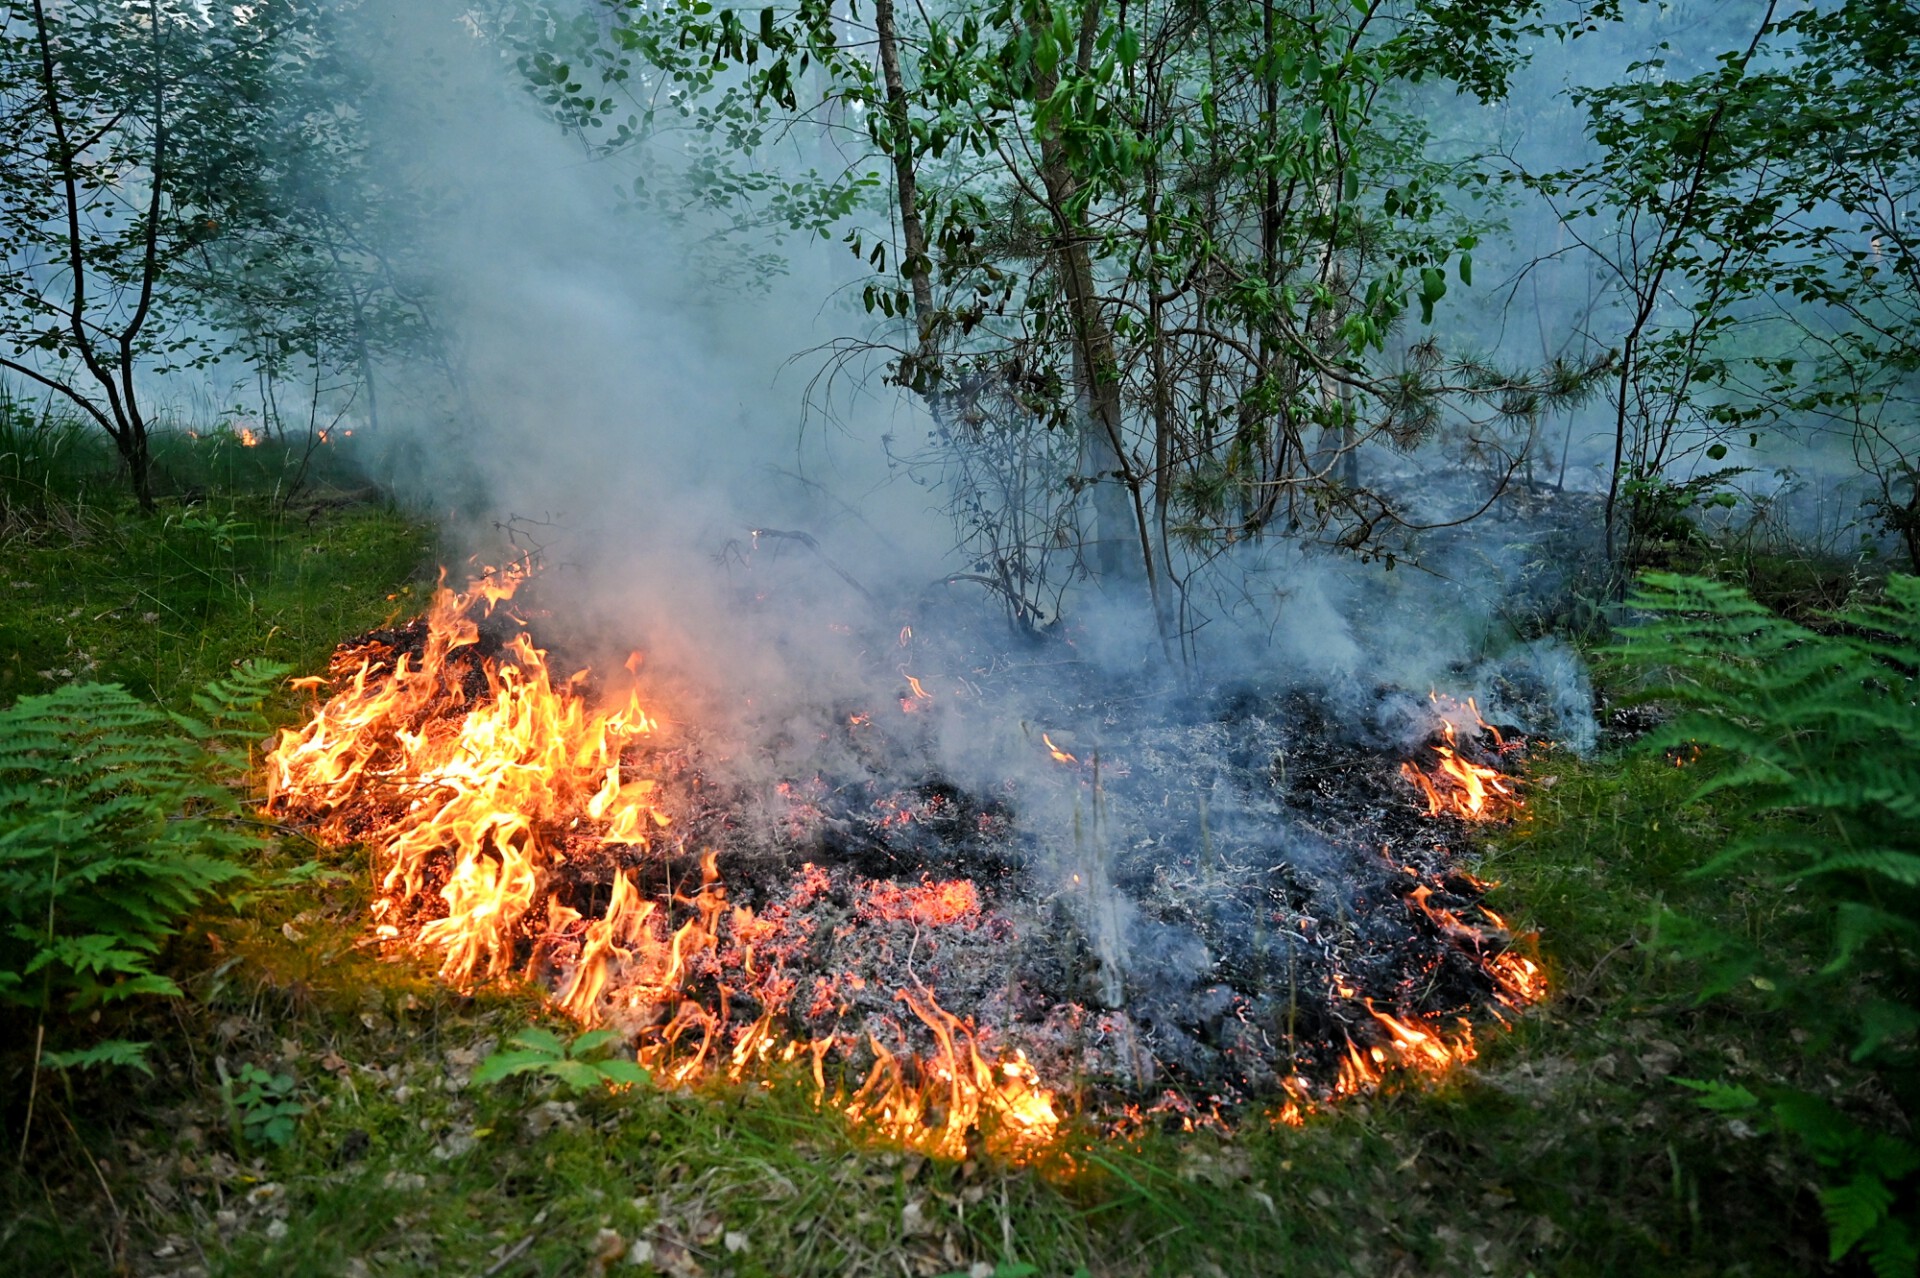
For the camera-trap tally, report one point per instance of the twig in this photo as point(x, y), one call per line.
point(807, 540)
point(513, 1254)
point(33, 1091)
point(119, 1217)
point(1584, 989)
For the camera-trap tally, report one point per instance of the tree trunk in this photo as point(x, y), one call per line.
point(915, 265)
point(1122, 544)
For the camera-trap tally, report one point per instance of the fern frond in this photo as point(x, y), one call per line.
point(114, 824)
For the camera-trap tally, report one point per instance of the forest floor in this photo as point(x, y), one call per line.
point(1566, 1149)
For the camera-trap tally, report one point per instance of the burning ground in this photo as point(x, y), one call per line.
point(1564, 1149)
point(1180, 907)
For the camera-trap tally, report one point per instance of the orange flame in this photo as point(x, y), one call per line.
point(472, 796)
point(475, 799)
point(1059, 755)
point(1457, 786)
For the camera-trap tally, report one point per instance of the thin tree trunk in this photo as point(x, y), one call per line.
point(915, 265)
point(1119, 511)
point(122, 418)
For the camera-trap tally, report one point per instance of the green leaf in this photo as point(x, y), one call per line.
point(1893, 1249)
point(114, 1052)
point(592, 1041)
point(578, 1075)
point(1722, 1098)
point(536, 1039)
point(628, 1073)
point(502, 1065)
point(1853, 1210)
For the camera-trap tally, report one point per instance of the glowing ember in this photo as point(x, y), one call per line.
point(935, 904)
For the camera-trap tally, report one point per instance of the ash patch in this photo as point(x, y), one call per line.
point(1180, 900)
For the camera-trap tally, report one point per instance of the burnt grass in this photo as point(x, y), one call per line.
point(1213, 897)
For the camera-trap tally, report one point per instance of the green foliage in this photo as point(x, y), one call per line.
point(1243, 187)
point(188, 162)
point(1813, 744)
point(1754, 188)
point(163, 604)
point(116, 819)
point(261, 1107)
point(50, 464)
point(580, 1065)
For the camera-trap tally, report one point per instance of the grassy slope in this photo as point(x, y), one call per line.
point(1566, 1150)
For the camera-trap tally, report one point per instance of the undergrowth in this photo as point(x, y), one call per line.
point(1566, 1149)
point(314, 1108)
point(233, 566)
point(116, 820)
point(1810, 741)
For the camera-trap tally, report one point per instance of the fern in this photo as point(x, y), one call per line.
point(116, 819)
point(1812, 741)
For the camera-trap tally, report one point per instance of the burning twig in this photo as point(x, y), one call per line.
point(1458, 786)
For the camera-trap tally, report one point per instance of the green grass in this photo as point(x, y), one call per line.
point(163, 602)
point(1565, 1150)
point(253, 552)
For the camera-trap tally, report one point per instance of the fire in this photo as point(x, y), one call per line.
point(520, 824)
point(248, 437)
point(476, 777)
point(1002, 1100)
point(473, 790)
point(1457, 786)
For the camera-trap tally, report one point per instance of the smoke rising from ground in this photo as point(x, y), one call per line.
point(646, 421)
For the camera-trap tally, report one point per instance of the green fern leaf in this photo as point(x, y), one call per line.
point(1892, 1249)
point(1853, 1210)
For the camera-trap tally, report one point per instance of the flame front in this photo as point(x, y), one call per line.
point(476, 777)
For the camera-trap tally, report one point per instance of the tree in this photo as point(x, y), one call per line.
point(1757, 217)
point(1147, 265)
point(181, 183)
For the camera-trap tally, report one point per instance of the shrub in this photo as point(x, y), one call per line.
point(1812, 741)
point(578, 1066)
